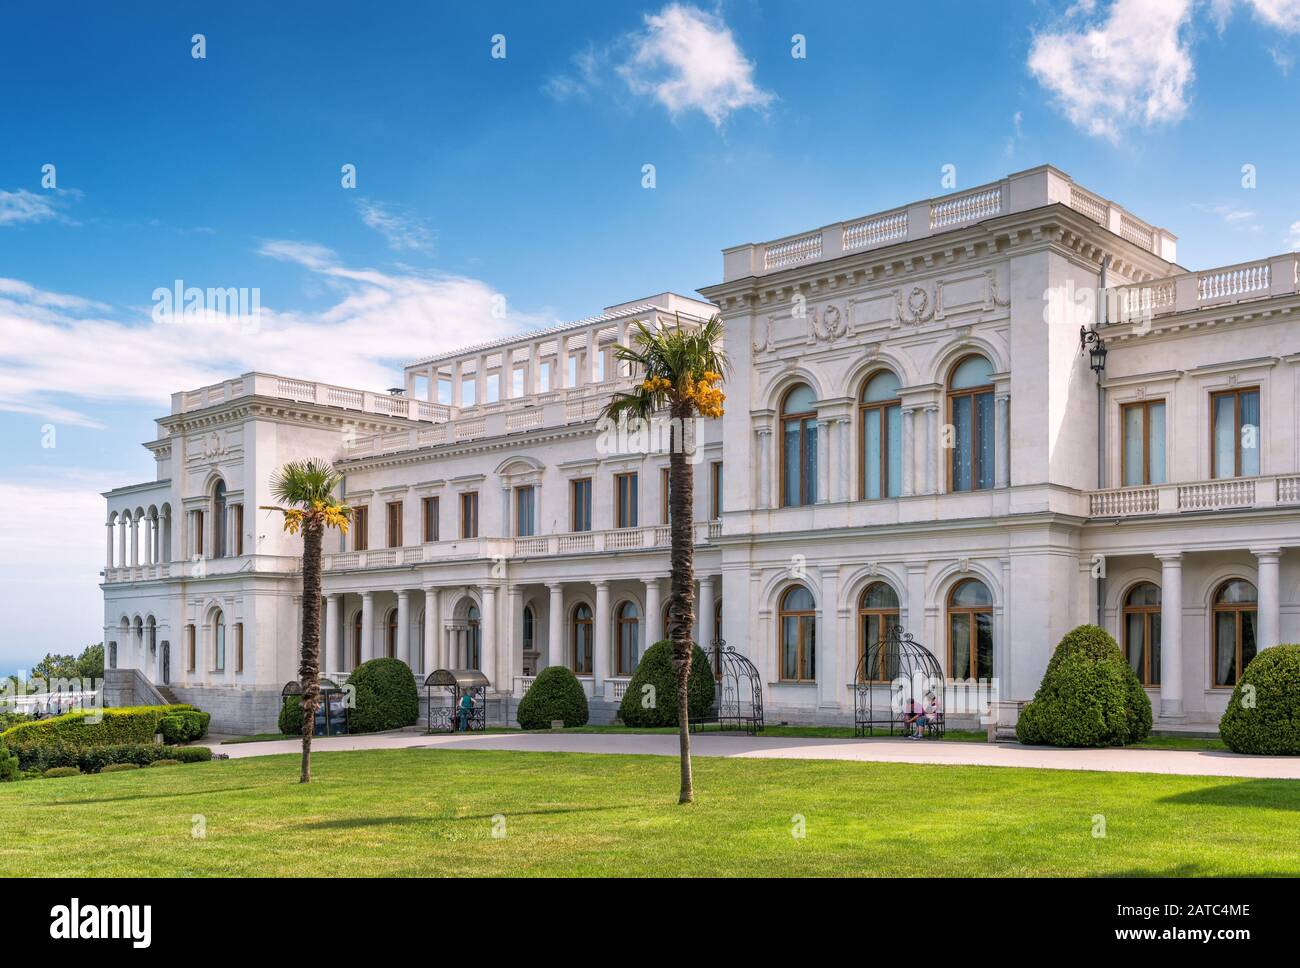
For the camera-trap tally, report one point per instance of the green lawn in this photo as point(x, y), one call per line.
point(431, 812)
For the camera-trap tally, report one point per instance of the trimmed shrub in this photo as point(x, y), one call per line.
point(8, 719)
point(122, 767)
point(1089, 696)
point(555, 694)
point(291, 716)
point(385, 696)
point(10, 769)
point(656, 669)
point(129, 724)
point(61, 771)
point(189, 754)
point(1263, 715)
point(164, 763)
point(93, 759)
point(184, 726)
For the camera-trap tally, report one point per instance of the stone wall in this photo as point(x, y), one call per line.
point(234, 709)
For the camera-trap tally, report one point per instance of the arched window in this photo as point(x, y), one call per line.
point(582, 650)
point(970, 412)
point(1142, 632)
point(219, 520)
point(1235, 613)
point(356, 639)
point(628, 623)
point(970, 631)
point(798, 615)
point(880, 446)
point(473, 639)
point(530, 629)
point(877, 614)
point(799, 447)
point(218, 642)
point(390, 635)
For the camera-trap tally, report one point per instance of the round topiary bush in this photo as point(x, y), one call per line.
point(164, 763)
point(385, 696)
point(642, 707)
point(1089, 696)
point(1263, 715)
point(291, 716)
point(9, 767)
point(555, 694)
point(120, 767)
point(58, 771)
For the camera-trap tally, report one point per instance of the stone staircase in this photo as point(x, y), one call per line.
point(166, 693)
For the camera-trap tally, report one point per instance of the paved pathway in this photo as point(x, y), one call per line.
point(1183, 762)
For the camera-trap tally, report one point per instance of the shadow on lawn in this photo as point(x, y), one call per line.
point(349, 823)
point(1271, 794)
point(152, 796)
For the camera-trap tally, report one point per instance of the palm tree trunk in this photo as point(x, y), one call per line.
point(681, 614)
point(309, 665)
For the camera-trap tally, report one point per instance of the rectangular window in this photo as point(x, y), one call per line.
point(199, 550)
point(525, 511)
point(625, 500)
point(360, 528)
point(394, 514)
point(219, 647)
point(239, 646)
point(1234, 433)
point(971, 456)
point(580, 501)
point(1144, 442)
point(238, 516)
point(189, 648)
point(715, 490)
point(469, 514)
point(665, 493)
point(882, 448)
point(430, 507)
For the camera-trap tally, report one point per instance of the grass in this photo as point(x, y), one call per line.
point(433, 812)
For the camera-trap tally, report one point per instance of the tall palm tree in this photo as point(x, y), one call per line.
point(683, 367)
point(305, 490)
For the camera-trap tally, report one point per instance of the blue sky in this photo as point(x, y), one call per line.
point(521, 177)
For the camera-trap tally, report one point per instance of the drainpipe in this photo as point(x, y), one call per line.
point(1102, 320)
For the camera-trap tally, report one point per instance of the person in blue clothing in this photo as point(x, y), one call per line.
point(466, 704)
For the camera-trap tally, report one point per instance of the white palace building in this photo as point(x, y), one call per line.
point(914, 435)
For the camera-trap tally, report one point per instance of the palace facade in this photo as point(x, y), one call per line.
point(915, 435)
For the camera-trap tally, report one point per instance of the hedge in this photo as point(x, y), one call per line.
point(184, 726)
point(128, 724)
point(656, 669)
point(1263, 715)
point(1089, 696)
point(291, 716)
point(61, 771)
point(10, 769)
point(92, 759)
point(556, 694)
point(385, 696)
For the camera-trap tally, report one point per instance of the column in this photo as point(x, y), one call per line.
point(931, 450)
point(829, 643)
point(367, 626)
point(909, 453)
point(449, 649)
point(514, 639)
point(588, 369)
point(704, 613)
point(823, 462)
point(654, 620)
point(148, 541)
point(560, 375)
point(555, 626)
point(1268, 631)
point(506, 375)
point(457, 376)
point(123, 529)
point(1002, 441)
point(600, 662)
point(404, 626)
point(329, 651)
point(135, 541)
point(764, 467)
point(1171, 634)
point(488, 631)
point(844, 448)
point(533, 375)
point(431, 623)
point(109, 561)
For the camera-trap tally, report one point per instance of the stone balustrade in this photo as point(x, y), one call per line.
point(1221, 495)
point(1277, 275)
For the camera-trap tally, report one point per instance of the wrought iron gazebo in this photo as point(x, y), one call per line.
point(455, 683)
point(897, 677)
point(332, 710)
point(737, 693)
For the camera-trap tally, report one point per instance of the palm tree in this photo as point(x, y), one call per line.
point(683, 367)
point(305, 490)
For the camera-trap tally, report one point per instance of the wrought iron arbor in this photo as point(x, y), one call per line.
point(737, 693)
point(457, 683)
point(331, 711)
point(896, 676)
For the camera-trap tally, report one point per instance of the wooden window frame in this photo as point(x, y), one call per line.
point(1146, 611)
point(802, 418)
point(430, 511)
point(630, 504)
point(519, 492)
point(971, 612)
point(361, 528)
point(801, 616)
point(715, 484)
point(1237, 609)
point(358, 633)
point(620, 620)
point(394, 529)
point(888, 617)
point(392, 632)
point(580, 484)
point(1236, 393)
point(468, 515)
point(576, 623)
point(1145, 406)
point(665, 492)
point(238, 516)
point(239, 647)
point(976, 466)
point(191, 648)
point(200, 551)
point(879, 411)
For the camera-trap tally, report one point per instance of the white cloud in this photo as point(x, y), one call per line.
point(1293, 237)
point(62, 353)
point(584, 78)
point(402, 230)
point(1133, 67)
point(21, 206)
point(1282, 14)
point(688, 59)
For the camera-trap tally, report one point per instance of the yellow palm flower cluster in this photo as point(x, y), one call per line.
point(336, 515)
point(705, 393)
point(657, 384)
